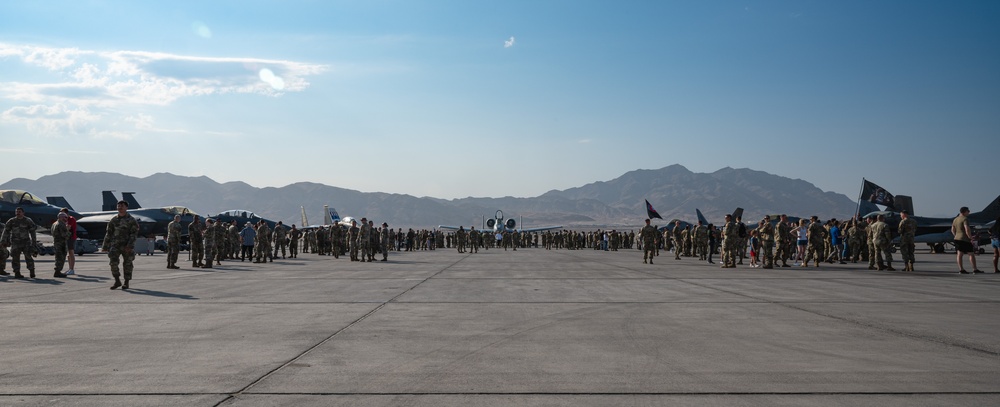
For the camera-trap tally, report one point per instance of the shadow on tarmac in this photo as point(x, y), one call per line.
point(140, 291)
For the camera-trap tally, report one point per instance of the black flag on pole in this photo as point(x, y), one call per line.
point(877, 195)
point(650, 212)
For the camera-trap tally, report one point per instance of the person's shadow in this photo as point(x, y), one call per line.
point(87, 279)
point(161, 294)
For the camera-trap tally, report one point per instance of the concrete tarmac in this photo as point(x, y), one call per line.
point(498, 328)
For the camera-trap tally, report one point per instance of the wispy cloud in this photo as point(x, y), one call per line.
point(584, 141)
point(92, 89)
point(509, 43)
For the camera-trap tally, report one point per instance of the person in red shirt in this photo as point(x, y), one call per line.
point(71, 242)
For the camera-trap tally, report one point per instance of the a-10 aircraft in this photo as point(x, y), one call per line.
point(499, 224)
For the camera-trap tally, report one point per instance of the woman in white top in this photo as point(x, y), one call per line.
point(802, 239)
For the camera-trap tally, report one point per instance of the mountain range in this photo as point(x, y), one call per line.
point(674, 191)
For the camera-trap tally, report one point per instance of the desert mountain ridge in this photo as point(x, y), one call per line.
point(674, 191)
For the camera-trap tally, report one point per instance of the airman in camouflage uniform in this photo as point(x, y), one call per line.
point(234, 240)
point(766, 232)
point(120, 241)
point(293, 242)
point(19, 234)
point(3, 254)
point(648, 234)
point(817, 237)
point(209, 243)
point(782, 242)
point(730, 243)
point(870, 243)
point(881, 237)
point(278, 236)
point(678, 240)
point(384, 240)
point(460, 239)
point(264, 242)
point(907, 232)
point(173, 242)
point(686, 238)
point(60, 235)
point(364, 239)
point(221, 241)
point(196, 235)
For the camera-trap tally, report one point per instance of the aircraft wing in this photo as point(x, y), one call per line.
point(448, 227)
point(539, 229)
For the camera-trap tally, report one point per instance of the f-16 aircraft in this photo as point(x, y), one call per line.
point(43, 214)
point(499, 224)
point(939, 228)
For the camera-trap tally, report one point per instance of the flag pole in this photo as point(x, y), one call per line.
point(857, 211)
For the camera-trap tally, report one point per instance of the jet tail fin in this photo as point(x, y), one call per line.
point(738, 214)
point(110, 201)
point(701, 218)
point(130, 199)
point(903, 202)
point(326, 215)
point(305, 222)
point(59, 201)
point(990, 213)
point(334, 216)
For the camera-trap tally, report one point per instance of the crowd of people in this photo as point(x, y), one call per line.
point(768, 244)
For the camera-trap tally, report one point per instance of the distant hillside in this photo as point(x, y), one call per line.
point(674, 191)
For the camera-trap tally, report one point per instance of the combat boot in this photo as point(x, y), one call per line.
point(889, 267)
point(59, 275)
point(4, 273)
point(118, 283)
point(31, 273)
point(17, 275)
point(125, 286)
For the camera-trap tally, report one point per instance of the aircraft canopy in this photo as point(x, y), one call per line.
point(18, 197)
point(177, 210)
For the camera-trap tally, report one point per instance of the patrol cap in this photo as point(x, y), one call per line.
point(123, 203)
point(385, 224)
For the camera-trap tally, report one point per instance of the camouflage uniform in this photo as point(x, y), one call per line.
point(120, 241)
point(678, 241)
point(352, 241)
point(173, 243)
point(881, 237)
point(648, 234)
point(817, 238)
point(209, 244)
point(19, 234)
point(293, 242)
point(3, 254)
point(700, 233)
point(279, 240)
point(460, 239)
point(60, 235)
point(730, 244)
point(781, 242)
point(766, 232)
point(234, 240)
point(384, 241)
point(263, 244)
point(364, 240)
point(195, 234)
point(907, 231)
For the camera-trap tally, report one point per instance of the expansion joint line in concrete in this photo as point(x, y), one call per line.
point(333, 335)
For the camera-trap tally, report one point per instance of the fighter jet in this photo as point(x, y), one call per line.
point(43, 214)
point(241, 216)
point(938, 229)
point(499, 224)
point(152, 221)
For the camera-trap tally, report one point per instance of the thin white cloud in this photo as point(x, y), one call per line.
point(584, 141)
point(95, 89)
point(509, 43)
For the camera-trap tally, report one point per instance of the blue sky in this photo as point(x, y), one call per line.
point(465, 98)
